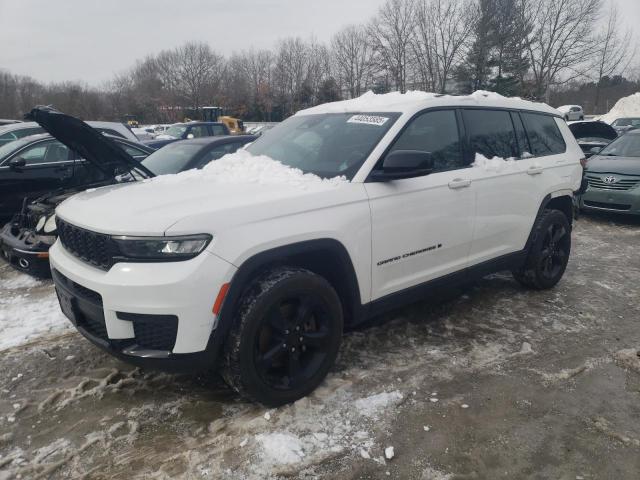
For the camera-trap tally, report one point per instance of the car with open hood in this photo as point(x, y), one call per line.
point(25, 241)
point(39, 172)
point(256, 263)
point(613, 176)
point(592, 135)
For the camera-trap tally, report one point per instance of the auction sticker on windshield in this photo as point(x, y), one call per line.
point(368, 119)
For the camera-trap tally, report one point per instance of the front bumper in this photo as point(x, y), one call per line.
point(619, 201)
point(155, 315)
point(26, 257)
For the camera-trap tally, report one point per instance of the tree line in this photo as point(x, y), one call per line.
point(535, 49)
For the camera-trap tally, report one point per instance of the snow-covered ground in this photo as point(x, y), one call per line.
point(28, 308)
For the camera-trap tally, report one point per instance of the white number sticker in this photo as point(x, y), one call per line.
point(368, 119)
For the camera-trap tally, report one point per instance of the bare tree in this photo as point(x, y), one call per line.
point(391, 32)
point(560, 44)
point(353, 59)
point(442, 39)
point(290, 72)
point(615, 52)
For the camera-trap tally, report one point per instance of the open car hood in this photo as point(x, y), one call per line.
point(89, 143)
point(596, 129)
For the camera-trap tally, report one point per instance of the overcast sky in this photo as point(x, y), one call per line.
point(91, 40)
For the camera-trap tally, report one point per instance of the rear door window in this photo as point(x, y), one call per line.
point(218, 130)
point(544, 135)
point(199, 131)
point(491, 133)
point(435, 132)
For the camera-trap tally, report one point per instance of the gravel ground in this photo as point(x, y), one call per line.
point(491, 382)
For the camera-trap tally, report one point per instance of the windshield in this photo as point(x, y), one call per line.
point(627, 122)
point(172, 158)
point(328, 145)
point(8, 148)
point(176, 131)
point(626, 146)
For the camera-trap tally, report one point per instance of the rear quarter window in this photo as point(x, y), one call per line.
point(544, 135)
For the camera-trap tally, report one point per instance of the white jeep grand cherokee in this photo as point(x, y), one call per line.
point(255, 268)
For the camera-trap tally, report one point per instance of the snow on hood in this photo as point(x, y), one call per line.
point(625, 107)
point(243, 167)
point(237, 188)
point(396, 101)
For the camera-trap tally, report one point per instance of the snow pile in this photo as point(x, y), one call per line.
point(625, 107)
point(280, 448)
point(27, 311)
point(243, 167)
point(373, 405)
point(495, 164)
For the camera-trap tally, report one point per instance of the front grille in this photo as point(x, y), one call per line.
point(94, 248)
point(84, 293)
point(620, 183)
point(155, 332)
point(608, 206)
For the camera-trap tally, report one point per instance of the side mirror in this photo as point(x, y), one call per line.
point(190, 136)
point(17, 163)
point(595, 150)
point(404, 164)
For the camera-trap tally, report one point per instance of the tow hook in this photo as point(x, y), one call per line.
point(24, 263)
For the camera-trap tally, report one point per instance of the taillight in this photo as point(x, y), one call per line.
point(583, 162)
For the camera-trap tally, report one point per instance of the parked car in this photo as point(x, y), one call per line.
point(571, 112)
point(592, 135)
point(9, 133)
point(258, 277)
point(44, 171)
point(623, 125)
point(188, 131)
point(613, 176)
point(188, 154)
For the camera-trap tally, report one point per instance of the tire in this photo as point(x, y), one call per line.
point(548, 253)
point(285, 337)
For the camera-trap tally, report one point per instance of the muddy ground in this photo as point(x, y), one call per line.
point(492, 382)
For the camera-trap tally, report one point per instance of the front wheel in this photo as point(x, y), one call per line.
point(285, 338)
point(548, 253)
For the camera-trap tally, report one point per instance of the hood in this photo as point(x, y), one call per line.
point(90, 144)
point(620, 165)
point(156, 208)
point(583, 130)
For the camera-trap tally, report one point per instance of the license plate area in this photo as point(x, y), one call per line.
point(67, 305)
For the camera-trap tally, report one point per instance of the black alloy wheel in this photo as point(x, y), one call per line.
point(285, 336)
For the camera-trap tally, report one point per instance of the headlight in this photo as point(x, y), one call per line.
point(50, 225)
point(162, 248)
point(41, 222)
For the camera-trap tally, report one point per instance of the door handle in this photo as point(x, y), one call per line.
point(459, 183)
point(535, 170)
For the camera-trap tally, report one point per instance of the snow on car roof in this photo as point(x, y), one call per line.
point(414, 101)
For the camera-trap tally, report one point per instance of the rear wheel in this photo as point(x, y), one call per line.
point(286, 335)
point(548, 253)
